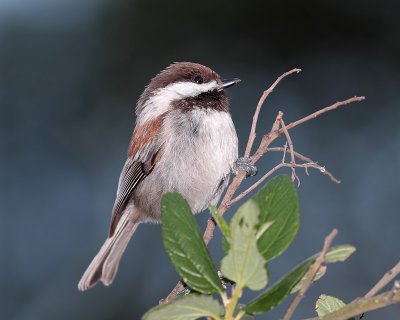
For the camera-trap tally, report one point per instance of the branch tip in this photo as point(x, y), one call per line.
point(310, 274)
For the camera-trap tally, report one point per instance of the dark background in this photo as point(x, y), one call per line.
point(71, 72)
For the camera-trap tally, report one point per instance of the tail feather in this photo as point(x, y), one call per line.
point(104, 265)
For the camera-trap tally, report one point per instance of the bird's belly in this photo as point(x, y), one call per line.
point(195, 164)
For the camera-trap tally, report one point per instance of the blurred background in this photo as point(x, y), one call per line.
point(70, 74)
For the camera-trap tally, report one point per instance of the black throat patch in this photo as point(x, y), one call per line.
point(212, 100)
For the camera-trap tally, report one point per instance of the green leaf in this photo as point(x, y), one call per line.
point(244, 264)
point(250, 211)
point(188, 307)
point(220, 222)
point(290, 283)
point(278, 203)
point(274, 295)
point(249, 206)
point(327, 304)
point(185, 246)
point(339, 253)
point(225, 245)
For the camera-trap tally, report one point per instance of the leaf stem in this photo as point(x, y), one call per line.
point(224, 298)
point(230, 308)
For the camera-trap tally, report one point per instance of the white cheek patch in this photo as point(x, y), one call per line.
point(187, 89)
point(159, 103)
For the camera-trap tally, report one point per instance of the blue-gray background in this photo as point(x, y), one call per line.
point(70, 74)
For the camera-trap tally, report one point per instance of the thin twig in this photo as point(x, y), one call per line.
point(292, 160)
point(307, 160)
point(277, 123)
point(264, 96)
point(326, 109)
point(281, 165)
point(388, 276)
point(284, 150)
point(271, 136)
point(310, 275)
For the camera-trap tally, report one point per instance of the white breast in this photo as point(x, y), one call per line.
point(200, 152)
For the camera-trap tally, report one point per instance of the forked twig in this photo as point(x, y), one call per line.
point(271, 136)
point(320, 168)
point(279, 166)
point(264, 96)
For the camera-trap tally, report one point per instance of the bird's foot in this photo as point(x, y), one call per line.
point(244, 163)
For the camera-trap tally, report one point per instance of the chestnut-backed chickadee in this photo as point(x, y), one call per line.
point(185, 141)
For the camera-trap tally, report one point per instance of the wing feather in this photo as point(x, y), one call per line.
point(132, 174)
point(143, 153)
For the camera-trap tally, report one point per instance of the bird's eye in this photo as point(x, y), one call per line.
point(198, 79)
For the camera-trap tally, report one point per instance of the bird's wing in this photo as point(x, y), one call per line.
point(143, 153)
point(132, 174)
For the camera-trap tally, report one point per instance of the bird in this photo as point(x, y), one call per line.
point(184, 140)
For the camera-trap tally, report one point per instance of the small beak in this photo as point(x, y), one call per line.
point(226, 83)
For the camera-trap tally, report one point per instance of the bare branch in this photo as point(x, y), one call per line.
point(258, 108)
point(279, 166)
point(284, 150)
point(388, 276)
point(309, 161)
point(271, 136)
point(292, 160)
point(310, 275)
point(277, 122)
point(326, 109)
